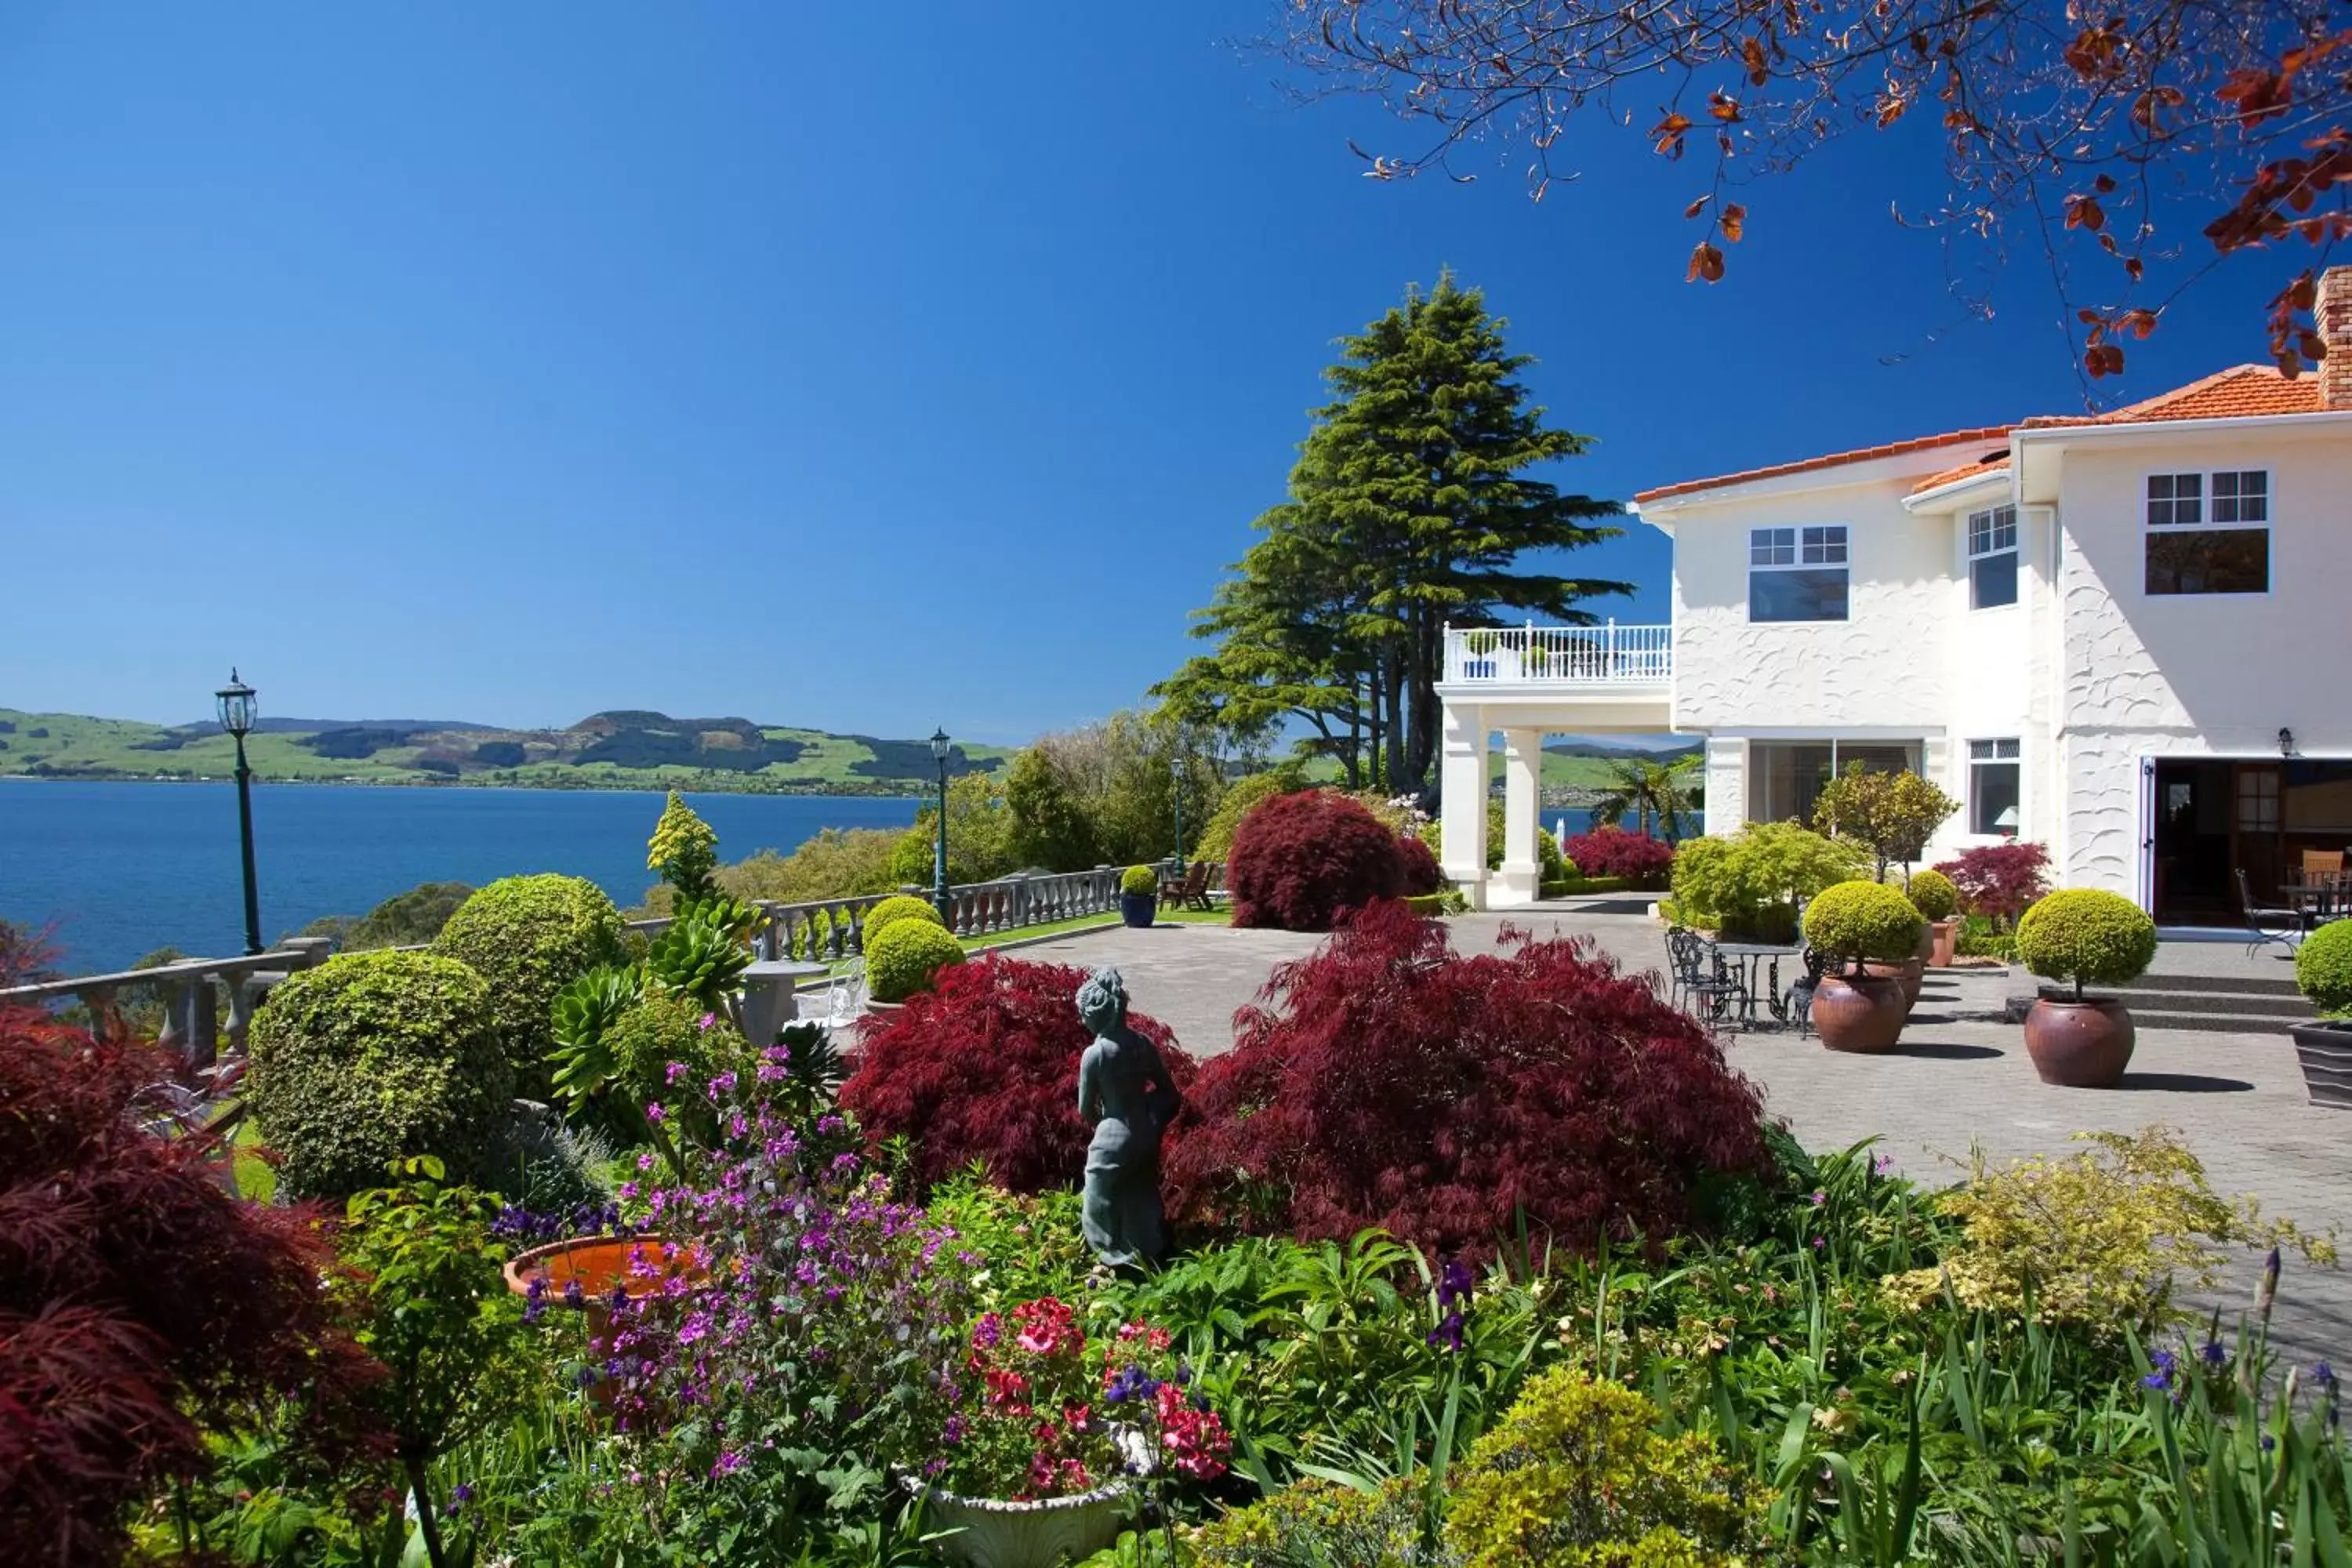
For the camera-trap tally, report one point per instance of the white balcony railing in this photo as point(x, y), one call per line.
point(1608, 655)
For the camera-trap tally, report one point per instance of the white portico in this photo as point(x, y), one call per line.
point(1527, 682)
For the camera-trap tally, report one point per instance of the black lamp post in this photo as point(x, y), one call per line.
point(1177, 769)
point(939, 861)
point(236, 716)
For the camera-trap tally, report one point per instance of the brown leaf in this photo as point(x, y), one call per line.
point(1706, 263)
point(1734, 222)
point(1693, 210)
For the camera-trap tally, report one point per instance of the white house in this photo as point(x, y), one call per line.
point(2119, 635)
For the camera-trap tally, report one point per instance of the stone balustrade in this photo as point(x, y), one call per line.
point(195, 991)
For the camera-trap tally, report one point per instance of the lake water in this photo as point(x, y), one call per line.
point(121, 870)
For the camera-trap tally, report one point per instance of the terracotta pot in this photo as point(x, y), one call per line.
point(1911, 973)
point(2079, 1045)
point(1943, 941)
point(2325, 1053)
point(638, 1266)
point(1859, 1013)
point(990, 1532)
point(1926, 950)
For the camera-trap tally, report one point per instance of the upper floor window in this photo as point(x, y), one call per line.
point(1993, 558)
point(1797, 573)
point(2210, 533)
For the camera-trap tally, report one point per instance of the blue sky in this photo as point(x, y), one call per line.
point(848, 366)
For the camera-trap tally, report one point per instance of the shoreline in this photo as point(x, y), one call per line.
point(605, 787)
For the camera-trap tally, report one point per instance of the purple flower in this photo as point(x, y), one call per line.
point(654, 1113)
point(727, 1464)
point(1454, 1282)
point(1820, 1242)
point(707, 1020)
point(1447, 1335)
point(2323, 1375)
point(2212, 1354)
point(573, 1295)
point(1819, 1197)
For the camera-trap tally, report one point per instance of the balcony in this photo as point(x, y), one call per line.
point(1602, 658)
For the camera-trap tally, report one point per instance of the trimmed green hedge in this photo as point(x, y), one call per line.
point(902, 960)
point(1933, 895)
point(373, 1057)
point(1569, 887)
point(891, 910)
point(1864, 920)
point(2088, 936)
point(1137, 880)
point(529, 937)
point(2322, 967)
point(1446, 901)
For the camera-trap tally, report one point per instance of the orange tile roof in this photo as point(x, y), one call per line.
point(2241, 392)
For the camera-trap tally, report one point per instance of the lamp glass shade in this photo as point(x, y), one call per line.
point(2007, 820)
point(940, 746)
point(237, 706)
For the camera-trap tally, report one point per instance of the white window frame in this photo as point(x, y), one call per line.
point(1808, 547)
point(2205, 509)
point(1995, 752)
point(1993, 526)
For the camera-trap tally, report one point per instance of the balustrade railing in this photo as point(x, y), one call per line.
point(196, 992)
point(1605, 655)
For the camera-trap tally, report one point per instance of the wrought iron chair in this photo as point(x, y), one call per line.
point(1704, 986)
point(2260, 917)
point(1798, 1000)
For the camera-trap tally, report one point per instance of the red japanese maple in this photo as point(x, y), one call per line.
point(1385, 1081)
point(1420, 868)
point(985, 1067)
point(1613, 852)
point(1300, 861)
point(2000, 881)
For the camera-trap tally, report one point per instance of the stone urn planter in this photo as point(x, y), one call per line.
point(2324, 1051)
point(584, 1272)
point(1863, 1012)
point(1911, 974)
point(2082, 1044)
point(990, 1532)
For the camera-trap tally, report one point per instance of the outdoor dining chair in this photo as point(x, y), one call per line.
point(1704, 986)
point(2260, 917)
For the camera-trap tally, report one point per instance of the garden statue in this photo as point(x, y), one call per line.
point(1123, 1089)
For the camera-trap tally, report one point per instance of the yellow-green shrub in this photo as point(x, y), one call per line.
point(2087, 935)
point(2322, 967)
point(902, 960)
point(1860, 920)
point(1216, 840)
point(529, 937)
point(1933, 895)
point(891, 910)
point(2100, 1239)
point(1317, 1524)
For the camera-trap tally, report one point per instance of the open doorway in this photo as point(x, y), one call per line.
point(2215, 816)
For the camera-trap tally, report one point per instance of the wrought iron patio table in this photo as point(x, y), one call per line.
point(2317, 898)
point(1751, 954)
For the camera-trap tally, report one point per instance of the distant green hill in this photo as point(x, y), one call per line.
point(623, 749)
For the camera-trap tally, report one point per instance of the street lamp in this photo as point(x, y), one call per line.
point(939, 861)
point(236, 716)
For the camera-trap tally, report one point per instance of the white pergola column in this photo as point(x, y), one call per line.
point(1726, 785)
point(1462, 801)
point(1520, 880)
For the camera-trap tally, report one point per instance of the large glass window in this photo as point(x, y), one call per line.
point(1993, 786)
point(1797, 573)
point(2196, 549)
point(1993, 558)
point(1786, 777)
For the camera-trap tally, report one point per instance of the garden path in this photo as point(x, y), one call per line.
point(1955, 1083)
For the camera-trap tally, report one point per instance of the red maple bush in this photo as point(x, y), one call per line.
point(1641, 860)
point(1301, 860)
point(1385, 1081)
point(2000, 881)
point(1418, 864)
point(140, 1305)
point(985, 1067)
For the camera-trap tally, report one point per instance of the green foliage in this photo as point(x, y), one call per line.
point(582, 1059)
point(666, 1049)
point(1576, 1476)
point(2100, 1241)
point(1318, 1524)
point(685, 850)
point(2322, 967)
point(1034, 1245)
point(1754, 878)
point(2088, 936)
point(403, 919)
point(1137, 880)
point(1554, 866)
point(1050, 827)
point(1448, 902)
point(1650, 792)
point(373, 1057)
point(702, 953)
point(902, 960)
point(891, 910)
point(1858, 920)
point(979, 832)
point(528, 937)
point(1892, 815)
point(1933, 895)
point(1978, 939)
point(1216, 840)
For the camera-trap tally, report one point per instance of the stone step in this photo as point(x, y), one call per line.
point(2185, 999)
point(2214, 1023)
point(2231, 985)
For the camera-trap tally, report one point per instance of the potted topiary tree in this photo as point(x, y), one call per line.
point(2088, 937)
point(1938, 903)
point(1138, 897)
point(2323, 969)
point(902, 960)
point(1861, 922)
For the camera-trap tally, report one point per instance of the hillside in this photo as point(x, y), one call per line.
point(622, 749)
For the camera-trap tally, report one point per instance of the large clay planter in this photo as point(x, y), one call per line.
point(2325, 1053)
point(2079, 1045)
point(1859, 1013)
point(993, 1534)
point(638, 1266)
point(1911, 974)
point(1943, 943)
point(1139, 909)
point(1926, 952)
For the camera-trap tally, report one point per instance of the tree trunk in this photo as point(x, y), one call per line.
point(431, 1526)
point(1420, 737)
point(1393, 681)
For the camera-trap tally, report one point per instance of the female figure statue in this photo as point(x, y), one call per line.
point(1123, 1089)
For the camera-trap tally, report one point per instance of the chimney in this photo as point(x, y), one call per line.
point(2333, 313)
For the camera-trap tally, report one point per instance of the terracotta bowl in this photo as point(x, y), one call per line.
point(1859, 1013)
point(2079, 1045)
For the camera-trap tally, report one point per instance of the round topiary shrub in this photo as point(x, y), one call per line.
point(1423, 875)
point(891, 910)
point(904, 958)
point(2088, 936)
point(529, 937)
point(1934, 896)
point(1299, 860)
point(985, 1067)
point(1138, 881)
point(1859, 920)
point(1576, 1474)
point(1384, 1081)
point(2322, 967)
point(373, 1057)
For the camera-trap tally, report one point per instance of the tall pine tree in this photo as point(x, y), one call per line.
point(1413, 505)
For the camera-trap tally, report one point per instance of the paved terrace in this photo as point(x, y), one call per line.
point(2238, 1100)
